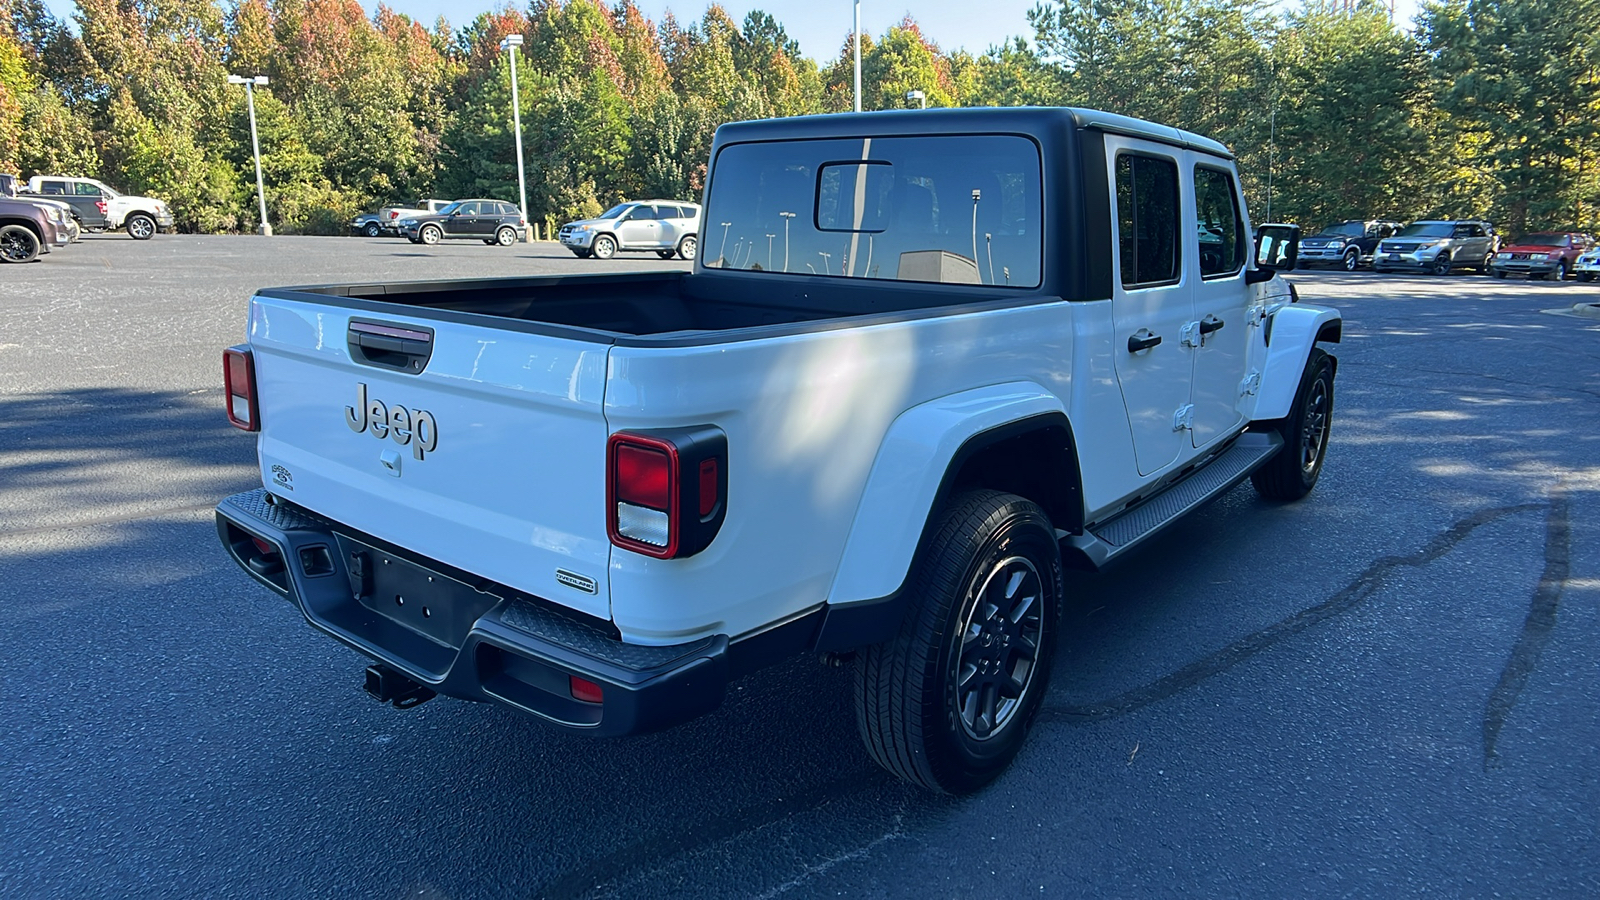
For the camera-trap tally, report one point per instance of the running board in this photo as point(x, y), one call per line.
point(1103, 542)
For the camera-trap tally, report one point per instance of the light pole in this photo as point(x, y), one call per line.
point(769, 251)
point(722, 251)
point(825, 258)
point(920, 97)
point(255, 143)
point(786, 217)
point(858, 55)
point(510, 44)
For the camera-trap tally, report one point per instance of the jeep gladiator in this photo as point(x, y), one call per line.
point(943, 355)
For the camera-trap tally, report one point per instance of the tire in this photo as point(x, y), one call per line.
point(931, 705)
point(140, 227)
point(1498, 273)
point(1585, 276)
point(1488, 260)
point(506, 236)
point(1352, 260)
point(1441, 265)
point(581, 254)
point(18, 244)
point(1293, 472)
point(604, 247)
point(666, 254)
point(688, 246)
point(372, 230)
point(430, 234)
point(1561, 270)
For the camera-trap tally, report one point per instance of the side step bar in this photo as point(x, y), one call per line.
point(1103, 542)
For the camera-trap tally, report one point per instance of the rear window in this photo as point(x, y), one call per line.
point(949, 209)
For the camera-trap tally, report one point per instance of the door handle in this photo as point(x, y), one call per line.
point(1210, 324)
point(1143, 339)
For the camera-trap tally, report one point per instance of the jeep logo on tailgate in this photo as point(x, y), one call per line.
point(404, 426)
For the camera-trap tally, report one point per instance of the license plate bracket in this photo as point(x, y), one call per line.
point(437, 606)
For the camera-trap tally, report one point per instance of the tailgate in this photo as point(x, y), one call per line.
point(480, 447)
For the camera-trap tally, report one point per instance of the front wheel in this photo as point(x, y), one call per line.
point(687, 247)
point(605, 247)
point(141, 227)
point(1441, 264)
point(947, 702)
point(506, 236)
point(1352, 260)
point(1585, 276)
point(372, 230)
point(430, 234)
point(666, 254)
point(18, 244)
point(1293, 472)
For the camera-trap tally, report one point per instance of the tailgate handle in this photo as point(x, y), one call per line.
point(402, 348)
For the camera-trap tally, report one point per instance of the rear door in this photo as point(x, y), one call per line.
point(1152, 301)
point(479, 447)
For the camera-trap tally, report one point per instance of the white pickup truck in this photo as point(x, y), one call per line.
point(948, 353)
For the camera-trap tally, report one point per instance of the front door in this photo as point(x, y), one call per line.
point(1221, 339)
point(640, 229)
point(1152, 301)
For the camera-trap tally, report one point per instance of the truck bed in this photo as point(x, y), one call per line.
point(660, 306)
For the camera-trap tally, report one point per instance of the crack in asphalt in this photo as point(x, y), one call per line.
point(1536, 629)
point(1353, 594)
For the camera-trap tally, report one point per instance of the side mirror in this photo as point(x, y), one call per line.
point(1277, 248)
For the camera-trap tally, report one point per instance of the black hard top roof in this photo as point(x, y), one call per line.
point(1019, 120)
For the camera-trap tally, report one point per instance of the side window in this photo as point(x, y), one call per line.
point(52, 187)
point(1220, 227)
point(1147, 219)
point(84, 189)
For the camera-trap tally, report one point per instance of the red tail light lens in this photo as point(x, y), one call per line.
point(585, 690)
point(652, 508)
point(239, 383)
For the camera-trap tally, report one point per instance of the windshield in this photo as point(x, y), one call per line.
point(1353, 228)
point(1545, 240)
point(954, 210)
point(615, 211)
point(1427, 229)
point(107, 192)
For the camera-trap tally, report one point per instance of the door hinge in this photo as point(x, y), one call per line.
point(1189, 335)
point(1183, 419)
point(1250, 384)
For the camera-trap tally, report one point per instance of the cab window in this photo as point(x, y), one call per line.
point(1221, 228)
point(1147, 219)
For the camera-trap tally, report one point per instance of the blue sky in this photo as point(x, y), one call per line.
point(820, 26)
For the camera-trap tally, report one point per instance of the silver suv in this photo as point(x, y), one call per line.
point(668, 227)
point(1438, 245)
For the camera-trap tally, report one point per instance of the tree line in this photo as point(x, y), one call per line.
point(1485, 108)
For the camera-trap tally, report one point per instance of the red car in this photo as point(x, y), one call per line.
point(1541, 255)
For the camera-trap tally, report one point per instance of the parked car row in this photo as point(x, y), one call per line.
point(1441, 246)
point(432, 221)
point(50, 211)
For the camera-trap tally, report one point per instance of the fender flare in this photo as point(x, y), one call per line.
point(1291, 333)
point(923, 448)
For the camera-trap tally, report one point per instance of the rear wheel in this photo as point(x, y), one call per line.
point(947, 703)
point(506, 236)
point(687, 247)
point(1292, 473)
point(605, 247)
point(18, 244)
point(1561, 270)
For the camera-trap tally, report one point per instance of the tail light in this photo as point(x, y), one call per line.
point(667, 490)
point(100, 205)
point(239, 380)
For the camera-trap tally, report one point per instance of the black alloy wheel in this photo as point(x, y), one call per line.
point(18, 244)
point(1441, 264)
point(1293, 471)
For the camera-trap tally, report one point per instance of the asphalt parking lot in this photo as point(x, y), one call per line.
point(1388, 689)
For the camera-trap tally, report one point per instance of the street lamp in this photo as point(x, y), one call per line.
point(722, 252)
point(786, 217)
point(255, 144)
point(858, 55)
point(510, 44)
point(918, 96)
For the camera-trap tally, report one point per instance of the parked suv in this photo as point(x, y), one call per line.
point(669, 227)
point(66, 221)
point(1541, 255)
point(490, 221)
point(1438, 245)
point(1588, 264)
point(1348, 244)
point(27, 229)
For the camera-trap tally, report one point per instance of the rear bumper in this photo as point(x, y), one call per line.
point(506, 647)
